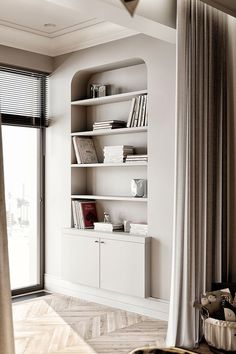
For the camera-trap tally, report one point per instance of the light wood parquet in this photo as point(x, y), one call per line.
point(62, 324)
point(59, 324)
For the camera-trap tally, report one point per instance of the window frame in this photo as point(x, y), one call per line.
point(40, 124)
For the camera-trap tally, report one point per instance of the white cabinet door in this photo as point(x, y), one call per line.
point(122, 267)
point(80, 259)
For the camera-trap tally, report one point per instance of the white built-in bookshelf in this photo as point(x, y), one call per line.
point(109, 182)
point(115, 261)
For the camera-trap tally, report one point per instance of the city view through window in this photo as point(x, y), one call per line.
point(20, 150)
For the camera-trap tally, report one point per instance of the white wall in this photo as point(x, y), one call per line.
point(24, 59)
point(162, 11)
point(160, 60)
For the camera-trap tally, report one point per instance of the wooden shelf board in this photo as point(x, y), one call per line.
point(128, 164)
point(108, 99)
point(104, 197)
point(111, 131)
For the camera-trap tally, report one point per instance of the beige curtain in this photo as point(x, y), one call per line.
point(232, 149)
point(200, 228)
point(6, 327)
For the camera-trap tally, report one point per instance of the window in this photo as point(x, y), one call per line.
point(23, 98)
point(24, 117)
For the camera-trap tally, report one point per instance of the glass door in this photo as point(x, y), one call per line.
point(24, 195)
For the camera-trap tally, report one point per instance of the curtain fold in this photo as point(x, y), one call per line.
point(6, 324)
point(200, 225)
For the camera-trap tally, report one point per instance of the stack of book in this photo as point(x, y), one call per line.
point(108, 227)
point(138, 116)
point(84, 150)
point(84, 214)
point(137, 158)
point(109, 124)
point(117, 154)
point(139, 229)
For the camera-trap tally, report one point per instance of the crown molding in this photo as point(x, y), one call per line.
point(100, 33)
point(56, 32)
point(88, 37)
point(19, 39)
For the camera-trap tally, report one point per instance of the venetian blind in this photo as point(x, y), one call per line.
point(23, 97)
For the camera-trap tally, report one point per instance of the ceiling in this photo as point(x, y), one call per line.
point(161, 11)
point(32, 16)
point(55, 27)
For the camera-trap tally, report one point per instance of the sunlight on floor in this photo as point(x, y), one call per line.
point(61, 324)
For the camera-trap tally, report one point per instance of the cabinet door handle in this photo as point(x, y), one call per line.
point(102, 242)
point(96, 241)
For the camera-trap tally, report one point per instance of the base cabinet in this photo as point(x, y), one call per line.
point(80, 259)
point(114, 262)
point(122, 267)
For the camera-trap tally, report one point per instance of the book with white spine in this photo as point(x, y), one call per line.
point(117, 154)
point(144, 110)
point(129, 121)
point(74, 215)
point(109, 122)
point(139, 229)
point(135, 123)
point(140, 111)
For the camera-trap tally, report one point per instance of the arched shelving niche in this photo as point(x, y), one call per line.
point(111, 261)
point(110, 185)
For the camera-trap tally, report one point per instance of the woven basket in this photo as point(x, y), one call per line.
point(155, 350)
point(220, 334)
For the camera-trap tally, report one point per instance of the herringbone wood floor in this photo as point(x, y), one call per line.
point(61, 324)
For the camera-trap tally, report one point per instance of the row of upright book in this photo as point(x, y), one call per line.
point(138, 116)
point(84, 214)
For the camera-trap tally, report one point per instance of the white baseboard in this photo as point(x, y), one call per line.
point(152, 307)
